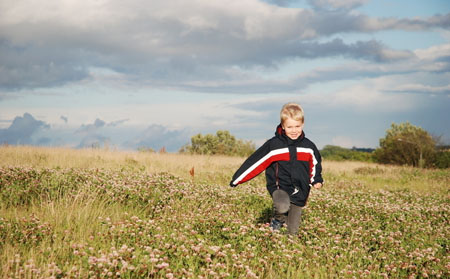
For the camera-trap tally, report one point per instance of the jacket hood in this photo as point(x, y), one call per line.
point(280, 133)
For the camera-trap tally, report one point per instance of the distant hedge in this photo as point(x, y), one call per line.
point(442, 159)
point(337, 153)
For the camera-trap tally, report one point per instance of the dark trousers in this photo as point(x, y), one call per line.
point(286, 212)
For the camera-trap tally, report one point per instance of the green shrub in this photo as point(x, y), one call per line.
point(442, 159)
point(222, 143)
point(406, 144)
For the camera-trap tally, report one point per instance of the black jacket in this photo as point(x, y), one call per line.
point(291, 165)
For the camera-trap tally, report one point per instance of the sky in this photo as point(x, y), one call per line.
point(151, 74)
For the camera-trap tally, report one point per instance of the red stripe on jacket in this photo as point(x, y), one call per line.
point(307, 154)
point(264, 165)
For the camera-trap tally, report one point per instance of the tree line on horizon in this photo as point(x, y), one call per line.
point(403, 144)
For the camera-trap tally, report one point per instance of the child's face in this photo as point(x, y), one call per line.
point(292, 128)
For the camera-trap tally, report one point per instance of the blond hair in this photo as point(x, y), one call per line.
point(293, 111)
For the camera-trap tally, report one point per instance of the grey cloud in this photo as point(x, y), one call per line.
point(442, 64)
point(336, 4)
point(93, 140)
point(335, 22)
point(31, 66)
point(437, 21)
point(224, 80)
point(272, 53)
point(64, 118)
point(91, 134)
point(282, 3)
point(118, 122)
point(369, 50)
point(178, 43)
point(28, 130)
point(422, 89)
point(402, 62)
point(98, 123)
point(157, 137)
point(22, 129)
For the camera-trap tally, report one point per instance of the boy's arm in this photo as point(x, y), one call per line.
point(317, 180)
point(254, 165)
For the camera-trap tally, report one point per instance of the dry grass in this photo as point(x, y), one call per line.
point(219, 169)
point(178, 164)
point(348, 166)
point(386, 177)
point(181, 164)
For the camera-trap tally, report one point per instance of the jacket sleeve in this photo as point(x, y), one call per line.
point(254, 165)
point(316, 165)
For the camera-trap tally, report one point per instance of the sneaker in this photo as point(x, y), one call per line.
point(276, 225)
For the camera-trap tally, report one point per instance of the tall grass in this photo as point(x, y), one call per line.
point(218, 169)
point(205, 167)
point(110, 214)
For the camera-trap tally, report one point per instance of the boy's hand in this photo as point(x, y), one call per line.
point(317, 185)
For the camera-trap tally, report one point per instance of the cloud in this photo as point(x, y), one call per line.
point(92, 135)
point(157, 136)
point(89, 128)
point(317, 24)
point(117, 123)
point(93, 140)
point(369, 50)
point(32, 65)
point(435, 53)
point(431, 60)
point(423, 89)
point(327, 54)
point(282, 3)
point(22, 129)
point(173, 43)
point(30, 131)
point(336, 4)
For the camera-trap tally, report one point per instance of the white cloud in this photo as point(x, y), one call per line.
point(434, 52)
point(106, 59)
point(172, 43)
point(368, 96)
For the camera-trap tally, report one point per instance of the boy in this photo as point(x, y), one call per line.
point(292, 163)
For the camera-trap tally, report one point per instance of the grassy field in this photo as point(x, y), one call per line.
point(68, 213)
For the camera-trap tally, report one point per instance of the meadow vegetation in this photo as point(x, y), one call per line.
point(95, 213)
point(222, 143)
point(337, 153)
